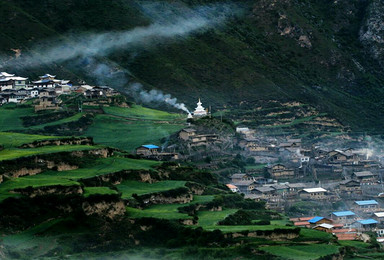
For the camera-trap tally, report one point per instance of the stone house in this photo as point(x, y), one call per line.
point(245, 186)
point(366, 205)
point(265, 192)
point(206, 139)
point(237, 177)
point(280, 171)
point(338, 156)
point(319, 220)
point(364, 177)
point(350, 187)
point(147, 150)
point(343, 217)
point(324, 227)
point(365, 224)
point(187, 133)
point(47, 103)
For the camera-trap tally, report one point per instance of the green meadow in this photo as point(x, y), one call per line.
point(9, 139)
point(210, 218)
point(10, 117)
point(105, 165)
point(59, 122)
point(166, 211)
point(128, 134)
point(88, 191)
point(13, 153)
point(139, 112)
point(97, 167)
point(140, 188)
point(302, 252)
point(31, 181)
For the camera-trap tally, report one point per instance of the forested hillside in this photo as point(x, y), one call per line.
point(326, 53)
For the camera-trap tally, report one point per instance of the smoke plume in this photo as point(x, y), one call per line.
point(186, 22)
point(85, 51)
point(136, 90)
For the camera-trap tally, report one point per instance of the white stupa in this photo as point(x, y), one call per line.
point(199, 111)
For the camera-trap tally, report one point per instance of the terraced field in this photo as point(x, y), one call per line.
point(9, 139)
point(166, 211)
point(104, 166)
point(10, 117)
point(140, 188)
point(128, 134)
point(302, 252)
point(67, 178)
point(14, 153)
point(121, 127)
point(139, 112)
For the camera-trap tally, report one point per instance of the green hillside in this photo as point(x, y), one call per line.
point(307, 51)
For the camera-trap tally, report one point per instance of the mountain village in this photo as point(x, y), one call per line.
point(345, 179)
point(44, 91)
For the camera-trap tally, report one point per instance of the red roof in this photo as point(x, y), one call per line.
point(344, 230)
point(346, 236)
point(294, 219)
point(301, 223)
point(338, 225)
point(306, 218)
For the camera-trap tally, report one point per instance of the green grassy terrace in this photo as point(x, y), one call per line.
point(140, 188)
point(127, 134)
point(139, 112)
point(66, 178)
point(104, 166)
point(9, 139)
point(13, 153)
point(302, 252)
point(89, 191)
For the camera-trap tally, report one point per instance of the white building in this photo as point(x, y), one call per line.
point(200, 110)
point(10, 81)
point(49, 81)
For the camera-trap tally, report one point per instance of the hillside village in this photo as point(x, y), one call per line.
point(45, 90)
point(290, 170)
point(331, 183)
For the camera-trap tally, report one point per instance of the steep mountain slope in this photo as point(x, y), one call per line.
point(326, 53)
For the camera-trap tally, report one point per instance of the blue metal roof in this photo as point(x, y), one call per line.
point(315, 219)
point(366, 202)
point(343, 213)
point(367, 221)
point(151, 146)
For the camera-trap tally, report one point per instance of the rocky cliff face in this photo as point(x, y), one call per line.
point(372, 32)
point(105, 209)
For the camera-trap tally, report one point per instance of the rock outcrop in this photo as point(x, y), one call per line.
point(50, 190)
point(33, 165)
point(57, 142)
point(372, 32)
point(105, 209)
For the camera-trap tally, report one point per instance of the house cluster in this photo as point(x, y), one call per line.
point(302, 160)
point(16, 89)
point(348, 225)
point(277, 195)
